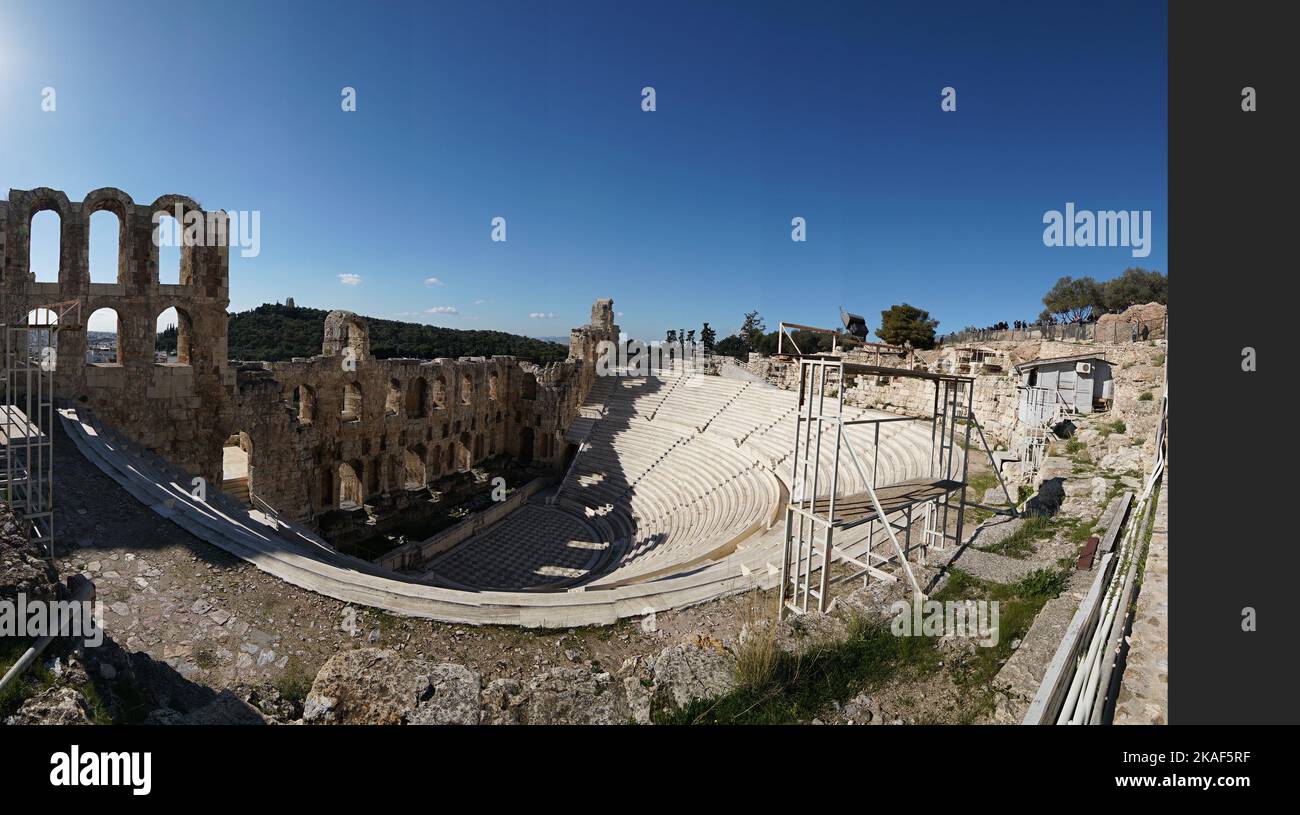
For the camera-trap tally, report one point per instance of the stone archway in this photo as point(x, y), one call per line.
point(526, 446)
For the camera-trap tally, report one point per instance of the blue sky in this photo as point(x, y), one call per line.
point(532, 112)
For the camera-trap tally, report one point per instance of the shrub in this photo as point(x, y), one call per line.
point(294, 681)
point(1045, 583)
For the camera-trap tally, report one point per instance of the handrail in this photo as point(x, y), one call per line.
point(83, 591)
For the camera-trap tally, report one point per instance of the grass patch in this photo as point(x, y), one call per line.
point(32, 682)
point(800, 685)
point(1073, 447)
point(757, 654)
point(1043, 584)
point(1116, 426)
point(1020, 543)
point(205, 657)
point(294, 681)
point(779, 687)
point(1018, 605)
point(1145, 396)
point(1078, 530)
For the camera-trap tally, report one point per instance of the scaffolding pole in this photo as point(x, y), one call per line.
point(30, 353)
point(811, 524)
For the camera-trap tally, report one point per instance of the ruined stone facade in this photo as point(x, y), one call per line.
point(344, 429)
point(336, 430)
point(180, 409)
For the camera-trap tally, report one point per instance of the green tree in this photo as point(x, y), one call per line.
point(902, 323)
point(1075, 300)
point(1134, 287)
point(732, 346)
point(751, 331)
point(708, 337)
point(166, 340)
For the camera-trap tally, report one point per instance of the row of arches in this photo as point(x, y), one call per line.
point(414, 398)
point(351, 482)
point(173, 332)
point(107, 248)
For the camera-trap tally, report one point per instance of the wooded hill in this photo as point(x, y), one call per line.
point(274, 332)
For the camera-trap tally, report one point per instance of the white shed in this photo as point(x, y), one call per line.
point(1079, 382)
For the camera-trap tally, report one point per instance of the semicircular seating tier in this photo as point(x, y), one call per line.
point(674, 498)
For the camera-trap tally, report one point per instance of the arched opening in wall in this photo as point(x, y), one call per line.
point(434, 467)
point(42, 316)
point(451, 456)
point(393, 402)
point(46, 235)
point(44, 343)
point(464, 452)
point(304, 404)
point(169, 237)
point(528, 389)
point(413, 473)
point(417, 396)
point(351, 402)
point(478, 447)
point(466, 389)
point(237, 467)
point(105, 246)
point(570, 450)
point(526, 445)
point(103, 335)
point(440, 391)
point(172, 341)
point(493, 381)
point(350, 492)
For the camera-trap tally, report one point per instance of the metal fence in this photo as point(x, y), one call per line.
point(1116, 332)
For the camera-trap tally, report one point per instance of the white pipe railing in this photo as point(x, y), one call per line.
point(1081, 704)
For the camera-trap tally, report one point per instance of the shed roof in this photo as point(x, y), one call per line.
point(1034, 363)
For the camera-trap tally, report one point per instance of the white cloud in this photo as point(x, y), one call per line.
point(442, 310)
point(479, 302)
point(350, 279)
point(618, 314)
point(542, 315)
point(432, 281)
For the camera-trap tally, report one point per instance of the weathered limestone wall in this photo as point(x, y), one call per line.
point(1137, 369)
point(181, 410)
point(398, 424)
point(995, 394)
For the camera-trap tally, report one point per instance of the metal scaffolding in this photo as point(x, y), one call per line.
point(817, 511)
point(27, 423)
